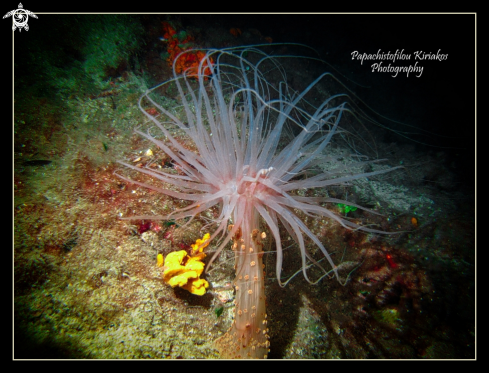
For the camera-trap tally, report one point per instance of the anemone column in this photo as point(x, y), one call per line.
point(248, 335)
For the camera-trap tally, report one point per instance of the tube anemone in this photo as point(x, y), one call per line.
point(257, 141)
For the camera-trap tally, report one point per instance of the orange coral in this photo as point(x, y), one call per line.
point(151, 111)
point(414, 221)
point(189, 61)
point(235, 32)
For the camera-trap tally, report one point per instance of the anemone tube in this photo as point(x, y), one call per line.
point(256, 142)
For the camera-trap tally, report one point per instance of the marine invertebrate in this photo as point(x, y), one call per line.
point(256, 143)
point(414, 222)
point(235, 32)
point(346, 208)
point(178, 43)
point(159, 260)
point(183, 270)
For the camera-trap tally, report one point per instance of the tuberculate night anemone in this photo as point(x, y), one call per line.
point(259, 143)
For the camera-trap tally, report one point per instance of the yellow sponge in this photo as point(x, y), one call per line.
point(184, 271)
